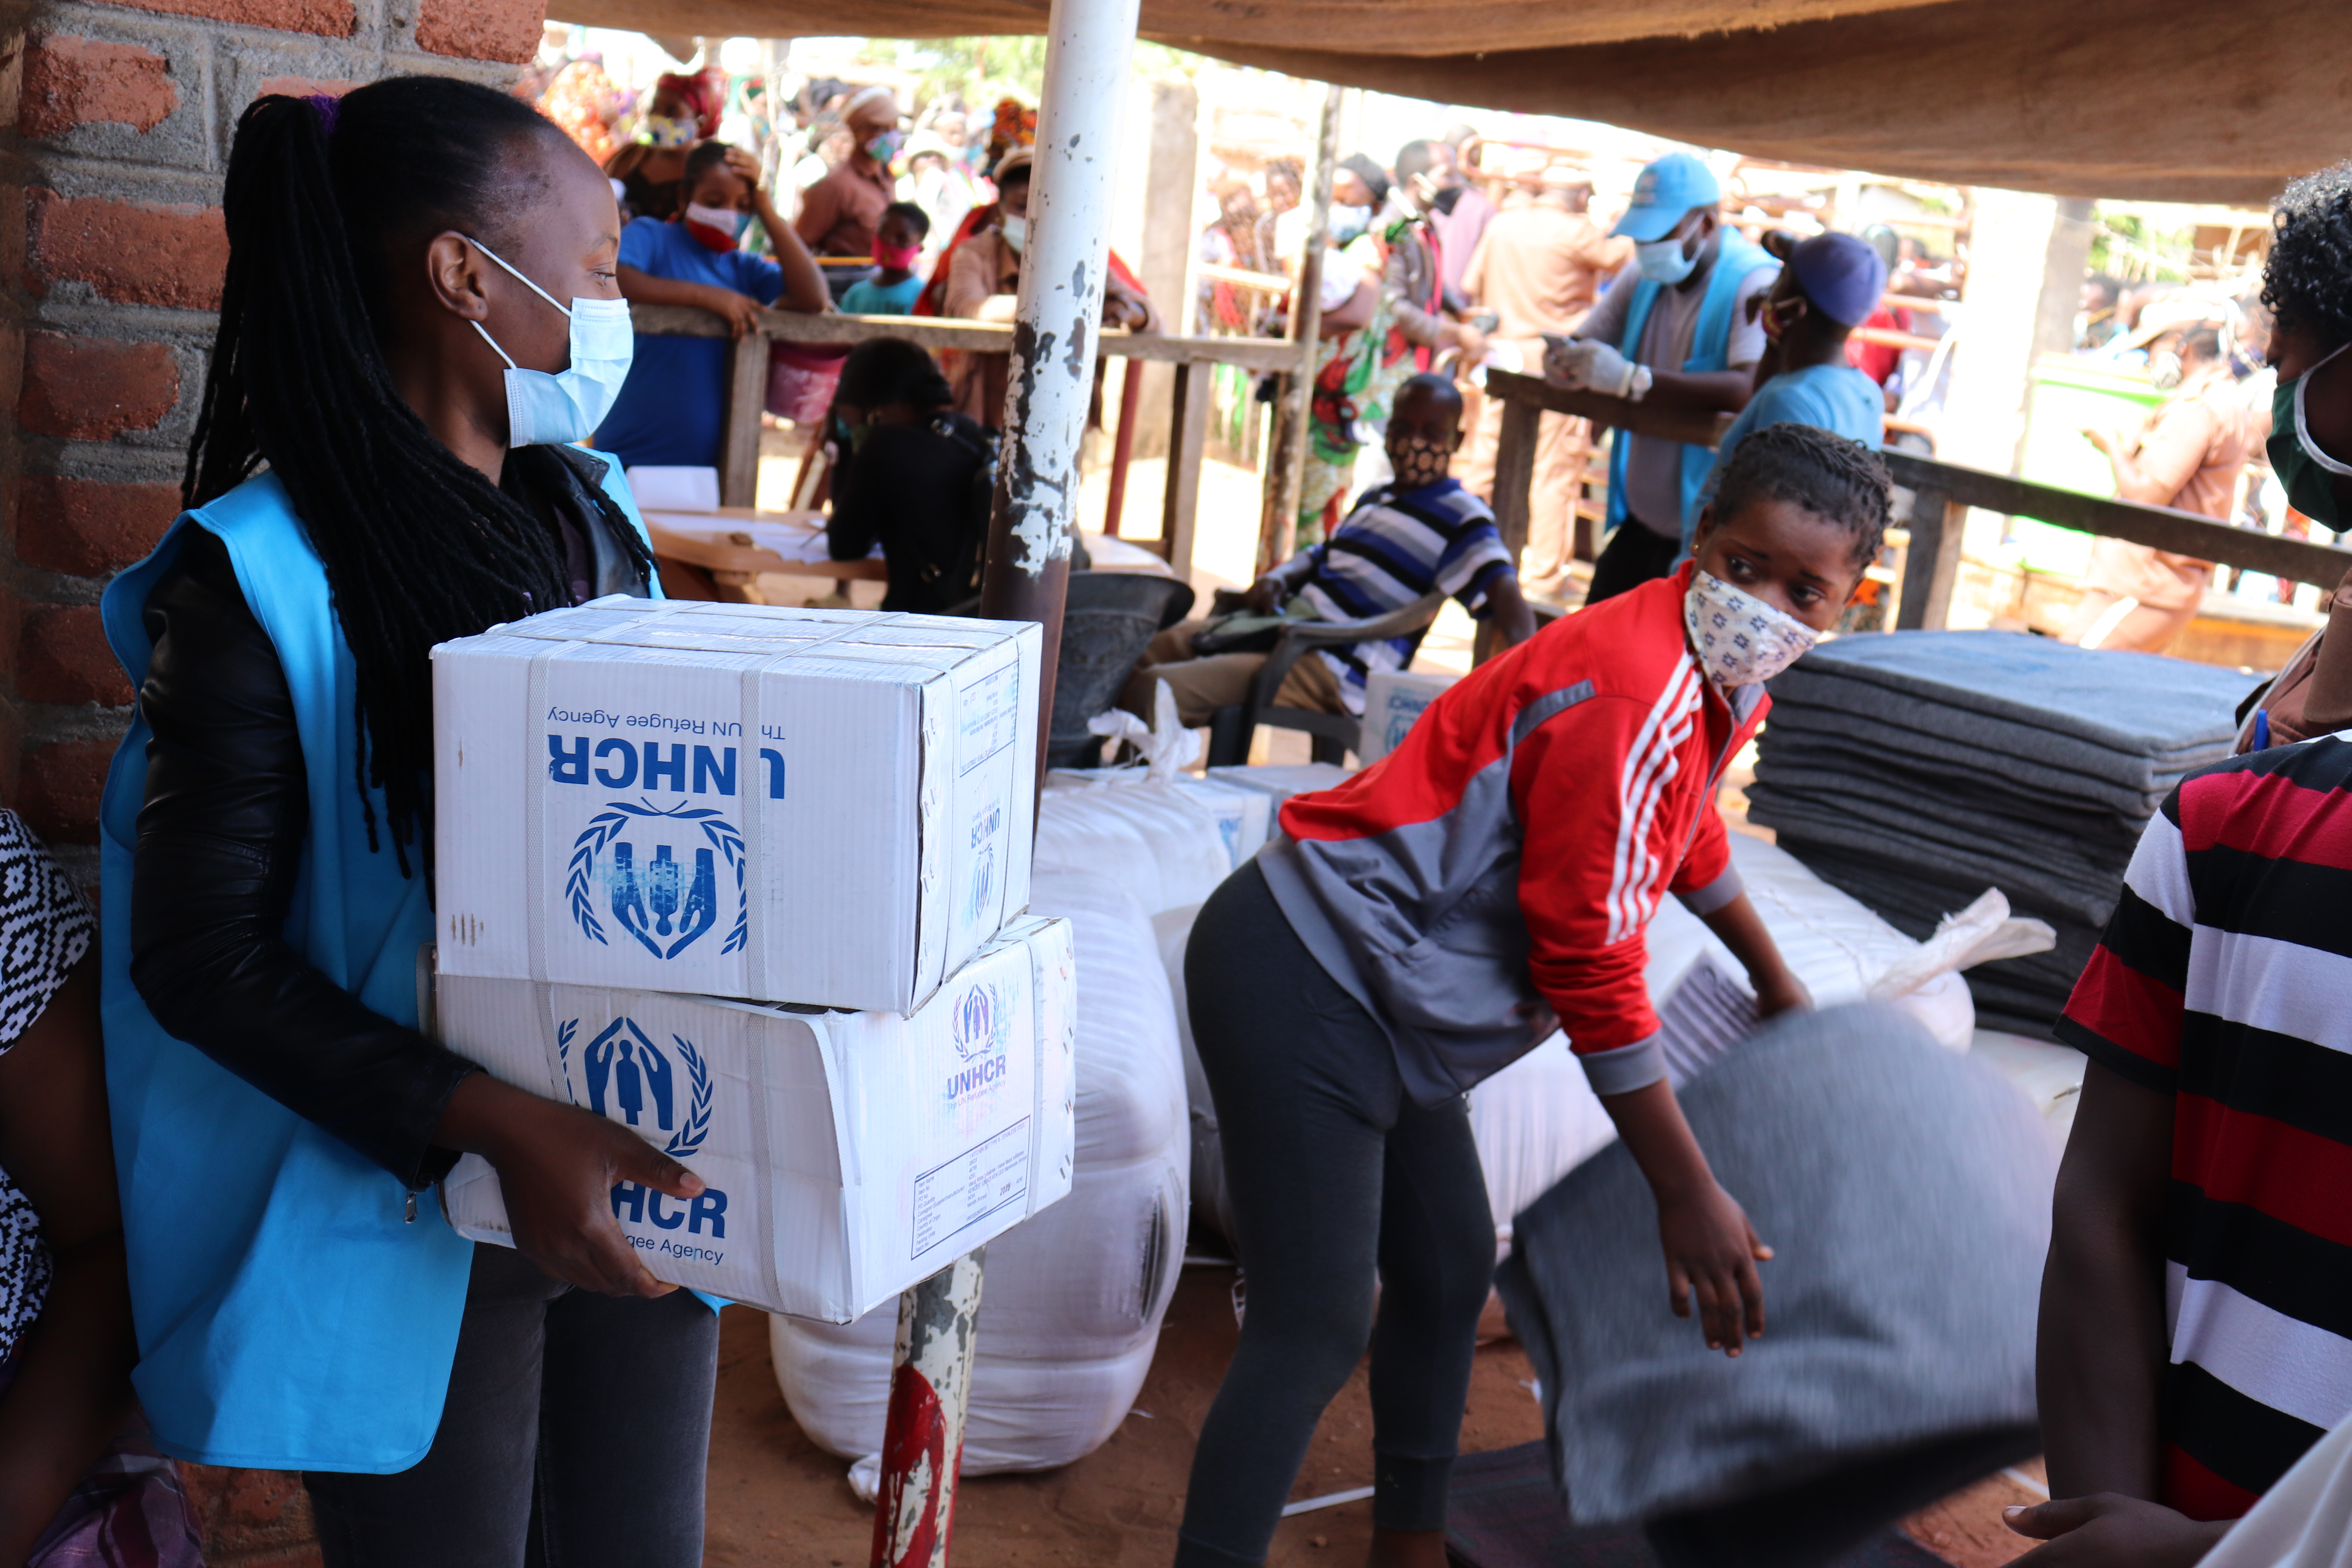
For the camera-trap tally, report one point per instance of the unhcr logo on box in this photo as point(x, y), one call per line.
point(980, 1025)
point(652, 896)
point(623, 1076)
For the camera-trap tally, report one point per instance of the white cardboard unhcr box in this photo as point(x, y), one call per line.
point(848, 1155)
point(823, 806)
point(1393, 699)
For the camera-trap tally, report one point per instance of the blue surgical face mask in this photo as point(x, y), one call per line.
point(2305, 470)
point(1664, 260)
point(545, 410)
point(883, 145)
point(1347, 222)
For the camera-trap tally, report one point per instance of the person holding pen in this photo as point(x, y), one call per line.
point(1414, 931)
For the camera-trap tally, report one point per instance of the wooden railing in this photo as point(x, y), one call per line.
point(1942, 493)
point(747, 386)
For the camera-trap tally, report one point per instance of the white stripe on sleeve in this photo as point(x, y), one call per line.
point(2264, 983)
point(2269, 1357)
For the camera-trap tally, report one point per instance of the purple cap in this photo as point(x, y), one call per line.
point(1842, 275)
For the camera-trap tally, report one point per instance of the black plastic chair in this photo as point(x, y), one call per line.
point(1335, 734)
point(1107, 622)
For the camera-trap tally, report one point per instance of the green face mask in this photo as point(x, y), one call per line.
point(2309, 473)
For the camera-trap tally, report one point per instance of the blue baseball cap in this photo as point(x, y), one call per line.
point(1664, 191)
point(1841, 274)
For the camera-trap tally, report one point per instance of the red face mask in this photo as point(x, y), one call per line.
point(896, 257)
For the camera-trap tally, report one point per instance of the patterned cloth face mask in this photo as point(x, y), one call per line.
point(1738, 639)
point(1419, 460)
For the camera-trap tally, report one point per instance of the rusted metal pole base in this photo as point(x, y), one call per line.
point(922, 1444)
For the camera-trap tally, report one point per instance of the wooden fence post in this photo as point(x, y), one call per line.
point(1514, 480)
point(1931, 564)
point(1188, 438)
point(739, 442)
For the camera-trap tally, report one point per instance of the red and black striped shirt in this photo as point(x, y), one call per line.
point(2225, 979)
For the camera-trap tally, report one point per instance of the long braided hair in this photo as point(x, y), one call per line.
point(418, 546)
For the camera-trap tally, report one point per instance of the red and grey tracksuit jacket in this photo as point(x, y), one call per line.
point(1495, 876)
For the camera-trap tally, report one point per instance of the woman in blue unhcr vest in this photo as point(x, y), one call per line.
point(421, 309)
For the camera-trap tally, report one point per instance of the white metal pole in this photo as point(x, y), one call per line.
point(922, 1442)
point(1088, 46)
point(1057, 322)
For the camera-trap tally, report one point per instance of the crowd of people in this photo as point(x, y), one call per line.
point(417, 423)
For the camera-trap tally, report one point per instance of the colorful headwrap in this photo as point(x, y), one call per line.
point(704, 94)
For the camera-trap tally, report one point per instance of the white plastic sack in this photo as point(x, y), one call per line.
point(2051, 1075)
point(1071, 1306)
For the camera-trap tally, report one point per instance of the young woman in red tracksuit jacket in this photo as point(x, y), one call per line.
point(1423, 925)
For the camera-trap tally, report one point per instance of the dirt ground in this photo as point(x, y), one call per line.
point(777, 1501)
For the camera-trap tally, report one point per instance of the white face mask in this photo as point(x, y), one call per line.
point(1663, 260)
point(1016, 231)
point(1347, 222)
point(726, 220)
point(1737, 638)
point(545, 410)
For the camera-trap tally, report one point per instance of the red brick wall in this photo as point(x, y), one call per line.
point(116, 120)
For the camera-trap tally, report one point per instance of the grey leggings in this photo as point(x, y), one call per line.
point(1338, 1180)
point(576, 1434)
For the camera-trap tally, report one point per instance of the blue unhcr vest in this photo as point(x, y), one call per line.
point(1710, 351)
point(291, 1314)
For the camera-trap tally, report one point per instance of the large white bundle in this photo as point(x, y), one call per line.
point(1161, 842)
point(1070, 1312)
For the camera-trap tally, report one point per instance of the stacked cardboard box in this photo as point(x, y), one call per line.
point(749, 879)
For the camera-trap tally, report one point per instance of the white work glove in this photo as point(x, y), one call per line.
point(1590, 365)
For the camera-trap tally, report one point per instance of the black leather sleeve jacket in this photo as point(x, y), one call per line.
point(219, 847)
point(220, 844)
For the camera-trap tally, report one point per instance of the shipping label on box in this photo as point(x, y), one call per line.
point(822, 806)
point(1393, 699)
point(848, 1155)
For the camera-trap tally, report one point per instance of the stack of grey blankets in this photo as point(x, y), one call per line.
point(1919, 769)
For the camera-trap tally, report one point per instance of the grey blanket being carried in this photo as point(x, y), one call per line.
point(1907, 1192)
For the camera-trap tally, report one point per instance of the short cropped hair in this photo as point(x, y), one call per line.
point(1820, 471)
point(2309, 279)
point(1418, 157)
point(912, 214)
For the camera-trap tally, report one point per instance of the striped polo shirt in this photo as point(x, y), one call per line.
point(2225, 979)
point(1392, 548)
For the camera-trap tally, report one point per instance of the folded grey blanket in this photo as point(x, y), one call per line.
point(2095, 862)
point(1868, 709)
point(2077, 897)
point(1834, 740)
point(1794, 767)
point(2139, 703)
point(1908, 1192)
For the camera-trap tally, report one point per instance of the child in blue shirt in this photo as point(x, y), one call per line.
point(897, 241)
point(673, 406)
point(1828, 286)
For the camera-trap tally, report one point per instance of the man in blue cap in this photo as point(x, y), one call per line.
point(1675, 327)
point(1828, 286)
